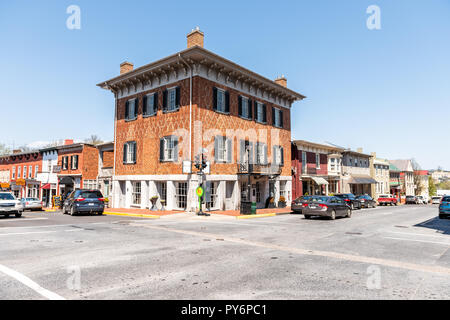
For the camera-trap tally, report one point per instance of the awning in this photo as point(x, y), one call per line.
point(66, 180)
point(362, 179)
point(320, 181)
point(46, 186)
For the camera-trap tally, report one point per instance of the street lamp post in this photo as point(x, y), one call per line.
point(200, 164)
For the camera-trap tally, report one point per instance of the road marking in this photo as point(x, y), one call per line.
point(419, 234)
point(30, 283)
point(426, 241)
point(23, 219)
point(327, 254)
point(37, 232)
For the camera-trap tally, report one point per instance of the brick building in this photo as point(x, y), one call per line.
point(77, 167)
point(357, 170)
point(105, 168)
point(316, 168)
point(168, 111)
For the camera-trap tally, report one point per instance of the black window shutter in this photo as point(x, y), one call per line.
point(165, 100)
point(76, 162)
point(264, 113)
point(126, 110)
point(155, 103)
point(125, 151)
point(255, 105)
point(240, 106)
point(177, 91)
point(214, 98)
point(161, 149)
point(250, 109)
point(136, 107)
point(282, 156)
point(144, 106)
point(229, 150)
point(227, 102)
point(273, 116)
point(281, 118)
point(134, 152)
point(175, 148)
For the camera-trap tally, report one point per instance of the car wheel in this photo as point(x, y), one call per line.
point(100, 213)
point(72, 212)
point(349, 213)
point(352, 206)
point(441, 216)
point(18, 214)
point(7, 215)
point(333, 215)
point(307, 216)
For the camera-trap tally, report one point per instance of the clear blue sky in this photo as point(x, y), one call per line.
point(384, 90)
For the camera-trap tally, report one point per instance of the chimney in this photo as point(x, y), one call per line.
point(195, 38)
point(360, 150)
point(126, 67)
point(68, 142)
point(282, 81)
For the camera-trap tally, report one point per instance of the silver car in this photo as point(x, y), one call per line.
point(31, 204)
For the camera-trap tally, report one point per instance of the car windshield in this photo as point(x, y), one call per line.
point(90, 194)
point(318, 199)
point(6, 196)
point(410, 197)
point(384, 196)
point(32, 199)
point(446, 199)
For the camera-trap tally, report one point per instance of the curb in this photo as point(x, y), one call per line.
point(136, 215)
point(50, 210)
point(262, 215)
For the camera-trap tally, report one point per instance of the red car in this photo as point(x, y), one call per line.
point(385, 199)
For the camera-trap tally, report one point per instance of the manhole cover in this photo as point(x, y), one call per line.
point(401, 226)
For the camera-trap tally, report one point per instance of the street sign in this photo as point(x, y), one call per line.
point(187, 167)
point(199, 191)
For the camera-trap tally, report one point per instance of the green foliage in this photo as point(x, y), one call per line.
point(432, 187)
point(445, 185)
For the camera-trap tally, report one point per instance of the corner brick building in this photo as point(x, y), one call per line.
point(169, 111)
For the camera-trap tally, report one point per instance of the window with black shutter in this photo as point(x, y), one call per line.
point(129, 152)
point(221, 100)
point(150, 104)
point(171, 99)
point(168, 149)
point(131, 109)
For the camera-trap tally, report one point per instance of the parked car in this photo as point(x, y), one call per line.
point(31, 204)
point(297, 204)
point(436, 199)
point(444, 207)
point(10, 205)
point(84, 201)
point(387, 199)
point(412, 200)
point(350, 199)
point(367, 201)
point(421, 200)
point(324, 206)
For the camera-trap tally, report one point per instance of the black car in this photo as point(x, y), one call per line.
point(84, 201)
point(350, 199)
point(297, 204)
point(324, 206)
point(367, 201)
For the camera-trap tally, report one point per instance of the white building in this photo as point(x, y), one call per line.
point(48, 175)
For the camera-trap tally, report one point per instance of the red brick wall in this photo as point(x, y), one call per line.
point(108, 159)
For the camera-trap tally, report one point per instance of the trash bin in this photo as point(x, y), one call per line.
point(253, 207)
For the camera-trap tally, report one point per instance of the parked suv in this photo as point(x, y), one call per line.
point(436, 199)
point(10, 205)
point(350, 199)
point(444, 207)
point(412, 200)
point(84, 201)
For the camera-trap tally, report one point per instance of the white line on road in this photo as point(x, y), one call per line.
point(30, 283)
point(405, 239)
point(421, 235)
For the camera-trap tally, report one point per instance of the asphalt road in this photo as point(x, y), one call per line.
point(383, 253)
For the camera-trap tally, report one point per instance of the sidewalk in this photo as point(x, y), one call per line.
point(260, 213)
point(142, 213)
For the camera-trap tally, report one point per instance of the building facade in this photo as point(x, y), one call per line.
point(356, 172)
point(47, 176)
point(316, 169)
point(196, 102)
point(381, 174)
point(406, 173)
point(105, 169)
point(422, 183)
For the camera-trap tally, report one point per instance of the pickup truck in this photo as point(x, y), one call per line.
point(385, 199)
point(10, 205)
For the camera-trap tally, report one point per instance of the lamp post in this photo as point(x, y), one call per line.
point(200, 164)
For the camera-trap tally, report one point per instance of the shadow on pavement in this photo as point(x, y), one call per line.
point(440, 225)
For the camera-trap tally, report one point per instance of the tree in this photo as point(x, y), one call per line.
point(4, 149)
point(93, 139)
point(444, 185)
point(431, 187)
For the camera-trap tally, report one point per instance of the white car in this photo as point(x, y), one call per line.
point(10, 205)
point(436, 199)
point(421, 200)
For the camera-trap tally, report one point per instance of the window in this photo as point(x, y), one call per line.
point(162, 187)
point(350, 163)
point(212, 187)
point(65, 163)
point(90, 184)
point(261, 153)
point(181, 194)
point(131, 107)
point(258, 192)
point(277, 117)
point(14, 172)
point(317, 161)
point(30, 172)
point(136, 193)
point(332, 164)
point(171, 99)
point(278, 154)
point(19, 171)
point(74, 162)
point(222, 149)
point(150, 104)
point(260, 112)
point(36, 170)
point(168, 148)
point(245, 110)
point(24, 172)
point(303, 162)
point(129, 152)
point(221, 101)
